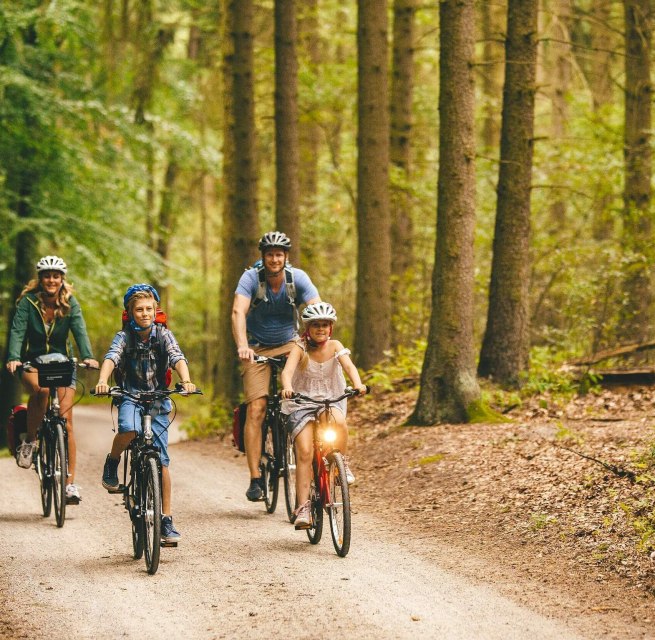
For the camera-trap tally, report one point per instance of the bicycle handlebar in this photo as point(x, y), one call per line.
point(146, 396)
point(278, 361)
point(28, 365)
point(349, 392)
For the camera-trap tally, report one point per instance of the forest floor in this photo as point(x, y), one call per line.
point(543, 523)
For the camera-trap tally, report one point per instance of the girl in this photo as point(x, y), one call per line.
point(315, 368)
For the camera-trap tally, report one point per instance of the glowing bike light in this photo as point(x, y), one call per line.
point(329, 435)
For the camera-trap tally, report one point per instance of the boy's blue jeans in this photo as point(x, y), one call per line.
point(129, 419)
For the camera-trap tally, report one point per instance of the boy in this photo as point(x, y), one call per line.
point(143, 351)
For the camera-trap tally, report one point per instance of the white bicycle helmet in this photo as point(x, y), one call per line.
point(274, 239)
point(319, 311)
point(51, 263)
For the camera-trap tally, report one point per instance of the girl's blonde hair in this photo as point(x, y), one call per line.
point(62, 302)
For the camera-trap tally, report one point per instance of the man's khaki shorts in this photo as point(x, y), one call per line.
point(257, 377)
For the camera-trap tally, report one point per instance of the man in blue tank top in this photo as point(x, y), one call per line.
point(264, 322)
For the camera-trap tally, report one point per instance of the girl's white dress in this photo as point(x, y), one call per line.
point(320, 380)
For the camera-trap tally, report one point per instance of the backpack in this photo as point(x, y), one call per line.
point(260, 296)
point(16, 426)
point(164, 373)
point(239, 427)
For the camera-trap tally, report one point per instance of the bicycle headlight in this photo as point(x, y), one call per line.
point(329, 435)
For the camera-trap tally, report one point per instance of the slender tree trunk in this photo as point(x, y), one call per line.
point(491, 16)
point(240, 218)
point(373, 316)
point(449, 388)
point(286, 124)
point(637, 217)
point(504, 354)
point(400, 153)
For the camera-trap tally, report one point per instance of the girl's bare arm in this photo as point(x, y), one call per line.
point(350, 369)
point(289, 369)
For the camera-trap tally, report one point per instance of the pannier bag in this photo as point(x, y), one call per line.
point(239, 427)
point(55, 370)
point(16, 426)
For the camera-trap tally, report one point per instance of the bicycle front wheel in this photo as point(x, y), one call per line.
point(59, 469)
point(315, 531)
point(134, 505)
point(45, 478)
point(270, 470)
point(290, 476)
point(152, 515)
point(339, 505)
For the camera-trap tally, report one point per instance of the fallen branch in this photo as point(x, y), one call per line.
point(621, 473)
point(612, 353)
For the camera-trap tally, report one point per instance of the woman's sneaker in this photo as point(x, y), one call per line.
point(25, 454)
point(168, 531)
point(303, 516)
point(72, 494)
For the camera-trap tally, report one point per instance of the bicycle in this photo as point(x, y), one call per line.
point(273, 464)
point(141, 488)
point(50, 458)
point(328, 490)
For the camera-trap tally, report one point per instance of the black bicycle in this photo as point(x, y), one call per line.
point(50, 458)
point(273, 461)
point(141, 486)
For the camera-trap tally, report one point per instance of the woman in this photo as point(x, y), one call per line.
point(46, 311)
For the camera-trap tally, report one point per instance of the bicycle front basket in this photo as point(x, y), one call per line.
point(56, 372)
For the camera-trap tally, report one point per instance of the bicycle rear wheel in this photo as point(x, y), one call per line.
point(59, 469)
point(269, 470)
point(43, 471)
point(339, 505)
point(315, 532)
point(152, 515)
point(289, 476)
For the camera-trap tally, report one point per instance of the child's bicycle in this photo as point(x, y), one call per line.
point(141, 486)
point(51, 455)
point(329, 487)
point(273, 463)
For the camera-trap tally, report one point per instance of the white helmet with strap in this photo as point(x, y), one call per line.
point(51, 263)
point(319, 311)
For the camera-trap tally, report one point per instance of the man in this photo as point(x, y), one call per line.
point(264, 322)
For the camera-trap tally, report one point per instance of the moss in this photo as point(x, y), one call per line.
point(431, 459)
point(478, 412)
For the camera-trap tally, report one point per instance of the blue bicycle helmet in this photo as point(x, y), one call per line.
point(135, 288)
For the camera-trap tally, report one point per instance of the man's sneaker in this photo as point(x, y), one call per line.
point(72, 494)
point(350, 476)
point(110, 475)
point(255, 490)
point(168, 531)
point(303, 516)
point(25, 454)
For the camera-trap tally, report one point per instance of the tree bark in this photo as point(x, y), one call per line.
point(491, 18)
point(373, 315)
point(449, 389)
point(504, 354)
point(286, 125)
point(637, 217)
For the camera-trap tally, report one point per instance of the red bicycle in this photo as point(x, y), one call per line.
point(328, 489)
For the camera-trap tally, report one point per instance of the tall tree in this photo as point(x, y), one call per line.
point(373, 316)
point(491, 17)
point(504, 354)
point(637, 217)
point(240, 217)
point(449, 388)
point(402, 86)
point(286, 124)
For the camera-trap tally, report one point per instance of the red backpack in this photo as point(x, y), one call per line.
point(162, 320)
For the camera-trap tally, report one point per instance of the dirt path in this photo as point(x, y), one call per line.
point(238, 572)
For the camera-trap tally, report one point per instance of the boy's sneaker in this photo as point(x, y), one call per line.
point(110, 475)
point(303, 518)
point(72, 494)
point(350, 476)
point(25, 454)
point(168, 531)
point(255, 490)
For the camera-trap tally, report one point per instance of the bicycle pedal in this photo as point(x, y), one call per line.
point(165, 543)
point(73, 500)
point(118, 489)
point(302, 527)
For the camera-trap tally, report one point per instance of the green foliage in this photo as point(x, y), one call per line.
point(400, 367)
point(209, 419)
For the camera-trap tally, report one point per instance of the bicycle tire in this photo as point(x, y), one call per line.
point(270, 470)
point(134, 505)
point(45, 479)
point(59, 470)
point(151, 495)
point(339, 507)
point(315, 532)
point(289, 476)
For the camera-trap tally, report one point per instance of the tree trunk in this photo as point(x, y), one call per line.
point(240, 218)
point(491, 19)
point(504, 354)
point(637, 222)
point(286, 124)
point(400, 149)
point(449, 388)
point(373, 316)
